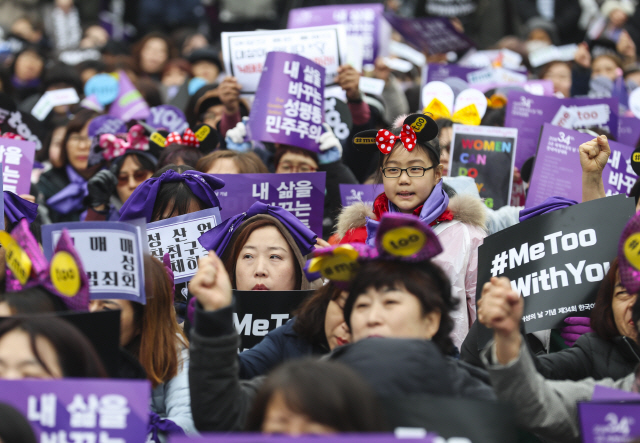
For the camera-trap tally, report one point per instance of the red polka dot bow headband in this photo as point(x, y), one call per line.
point(385, 140)
point(188, 138)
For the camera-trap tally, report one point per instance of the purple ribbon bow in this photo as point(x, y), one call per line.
point(433, 207)
point(16, 208)
point(164, 425)
point(218, 238)
point(71, 197)
point(143, 199)
point(549, 205)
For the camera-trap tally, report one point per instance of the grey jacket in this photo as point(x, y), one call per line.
point(546, 407)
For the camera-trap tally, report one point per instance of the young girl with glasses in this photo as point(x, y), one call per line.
point(412, 179)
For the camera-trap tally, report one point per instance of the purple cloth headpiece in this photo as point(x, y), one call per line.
point(549, 205)
point(16, 208)
point(218, 238)
point(143, 199)
point(629, 255)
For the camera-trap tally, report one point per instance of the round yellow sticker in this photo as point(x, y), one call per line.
point(404, 241)
point(65, 275)
point(17, 259)
point(632, 250)
point(338, 267)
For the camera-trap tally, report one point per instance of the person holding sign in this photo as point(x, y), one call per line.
point(396, 293)
point(63, 190)
point(263, 249)
point(412, 177)
point(547, 408)
point(151, 333)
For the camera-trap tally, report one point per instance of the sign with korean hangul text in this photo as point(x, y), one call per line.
point(302, 194)
point(556, 261)
point(350, 194)
point(16, 157)
point(486, 154)
point(528, 112)
point(239, 437)
point(364, 23)
point(609, 422)
point(431, 35)
point(82, 410)
point(557, 170)
point(111, 254)
point(289, 104)
point(178, 237)
point(244, 53)
point(255, 315)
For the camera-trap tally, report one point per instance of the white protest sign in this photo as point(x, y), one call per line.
point(370, 85)
point(582, 116)
point(407, 52)
point(51, 99)
point(244, 53)
point(397, 64)
point(178, 237)
point(548, 54)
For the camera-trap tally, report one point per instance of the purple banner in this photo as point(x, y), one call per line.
point(629, 131)
point(178, 237)
point(130, 104)
point(302, 194)
point(527, 113)
point(111, 254)
point(288, 106)
point(363, 22)
point(431, 35)
point(604, 393)
point(557, 170)
point(609, 422)
point(334, 438)
point(167, 117)
point(16, 157)
point(350, 194)
point(87, 410)
point(440, 72)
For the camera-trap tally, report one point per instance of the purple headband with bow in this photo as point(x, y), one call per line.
point(16, 208)
point(143, 199)
point(41, 271)
point(399, 237)
point(218, 238)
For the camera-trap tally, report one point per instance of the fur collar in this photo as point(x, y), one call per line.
point(465, 208)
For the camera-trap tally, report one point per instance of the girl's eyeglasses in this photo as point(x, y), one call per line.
point(413, 171)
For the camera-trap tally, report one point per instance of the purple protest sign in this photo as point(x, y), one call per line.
point(364, 23)
point(604, 393)
point(302, 194)
point(167, 117)
point(178, 236)
point(105, 124)
point(288, 106)
point(557, 170)
point(350, 194)
point(89, 410)
point(629, 131)
point(609, 422)
point(130, 104)
point(333, 438)
point(527, 113)
point(16, 157)
point(440, 72)
point(111, 254)
point(431, 35)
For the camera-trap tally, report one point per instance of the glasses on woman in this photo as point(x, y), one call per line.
point(77, 138)
point(138, 176)
point(413, 171)
point(287, 167)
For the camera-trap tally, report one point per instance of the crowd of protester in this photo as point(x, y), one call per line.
point(397, 326)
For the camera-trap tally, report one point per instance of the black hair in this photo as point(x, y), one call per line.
point(175, 197)
point(327, 392)
point(172, 153)
point(425, 280)
point(494, 117)
point(14, 428)
point(310, 315)
point(140, 159)
point(36, 300)
point(76, 354)
point(635, 191)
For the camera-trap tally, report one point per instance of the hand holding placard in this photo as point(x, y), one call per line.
point(230, 94)
point(593, 159)
point(500, 308)
point(349, 80)
point(211, 285)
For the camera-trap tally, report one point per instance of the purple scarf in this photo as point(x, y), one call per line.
point(164, 425)
point(218, 238)
point(17, 208)
point(71, 197)
point(549, 205)
point(433, 207)
point(143, 199)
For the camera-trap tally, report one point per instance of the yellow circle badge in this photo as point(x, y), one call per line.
point(404, 241)
point(17, 259)
point(65, 275)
